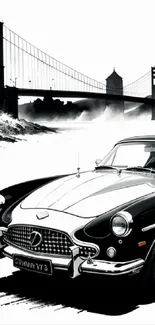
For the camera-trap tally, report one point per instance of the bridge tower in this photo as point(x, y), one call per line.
point(114, 85)
point(1, 69)
point(9, 95)
point(153, 90)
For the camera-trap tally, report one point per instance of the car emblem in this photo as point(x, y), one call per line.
point(35, 239)
point(42, 215)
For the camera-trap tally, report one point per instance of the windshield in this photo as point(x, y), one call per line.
point(131, 154)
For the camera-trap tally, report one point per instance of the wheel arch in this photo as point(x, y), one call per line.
point(149, 259)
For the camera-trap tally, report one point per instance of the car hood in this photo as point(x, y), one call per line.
point(91, 194)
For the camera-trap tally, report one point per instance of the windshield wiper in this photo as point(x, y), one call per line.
point(141, 169)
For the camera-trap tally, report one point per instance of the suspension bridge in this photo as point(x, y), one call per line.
point(27, 71)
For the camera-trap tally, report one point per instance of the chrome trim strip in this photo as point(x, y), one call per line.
point(148, 227)
point(3, 229)
point(87, 244)
point(7, 255)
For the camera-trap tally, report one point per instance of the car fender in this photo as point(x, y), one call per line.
point(147, 271)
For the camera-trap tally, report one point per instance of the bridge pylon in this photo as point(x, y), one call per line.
point(11, 101)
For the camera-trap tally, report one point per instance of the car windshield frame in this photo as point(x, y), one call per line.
point(110, 157)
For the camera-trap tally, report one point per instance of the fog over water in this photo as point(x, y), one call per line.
point(75, 143)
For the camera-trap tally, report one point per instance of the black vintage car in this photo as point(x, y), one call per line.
point(98, 222)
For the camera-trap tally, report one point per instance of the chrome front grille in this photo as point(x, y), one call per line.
point(53, 241)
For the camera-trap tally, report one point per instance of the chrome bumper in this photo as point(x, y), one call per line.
point(76, 265)
point(112, 268)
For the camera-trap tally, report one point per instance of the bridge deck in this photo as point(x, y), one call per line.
point(82, 94)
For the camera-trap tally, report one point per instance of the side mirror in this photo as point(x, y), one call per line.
point(98, 161)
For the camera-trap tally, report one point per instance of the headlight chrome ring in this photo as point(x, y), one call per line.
point(120, 224)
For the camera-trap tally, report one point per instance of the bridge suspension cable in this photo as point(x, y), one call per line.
point(27, 66)
point(140, 87)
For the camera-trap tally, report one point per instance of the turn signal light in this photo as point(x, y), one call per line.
point(142, 243)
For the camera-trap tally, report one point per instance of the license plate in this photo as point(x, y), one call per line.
point(32, 264)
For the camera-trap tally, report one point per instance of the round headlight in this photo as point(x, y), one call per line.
point(120, 224)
